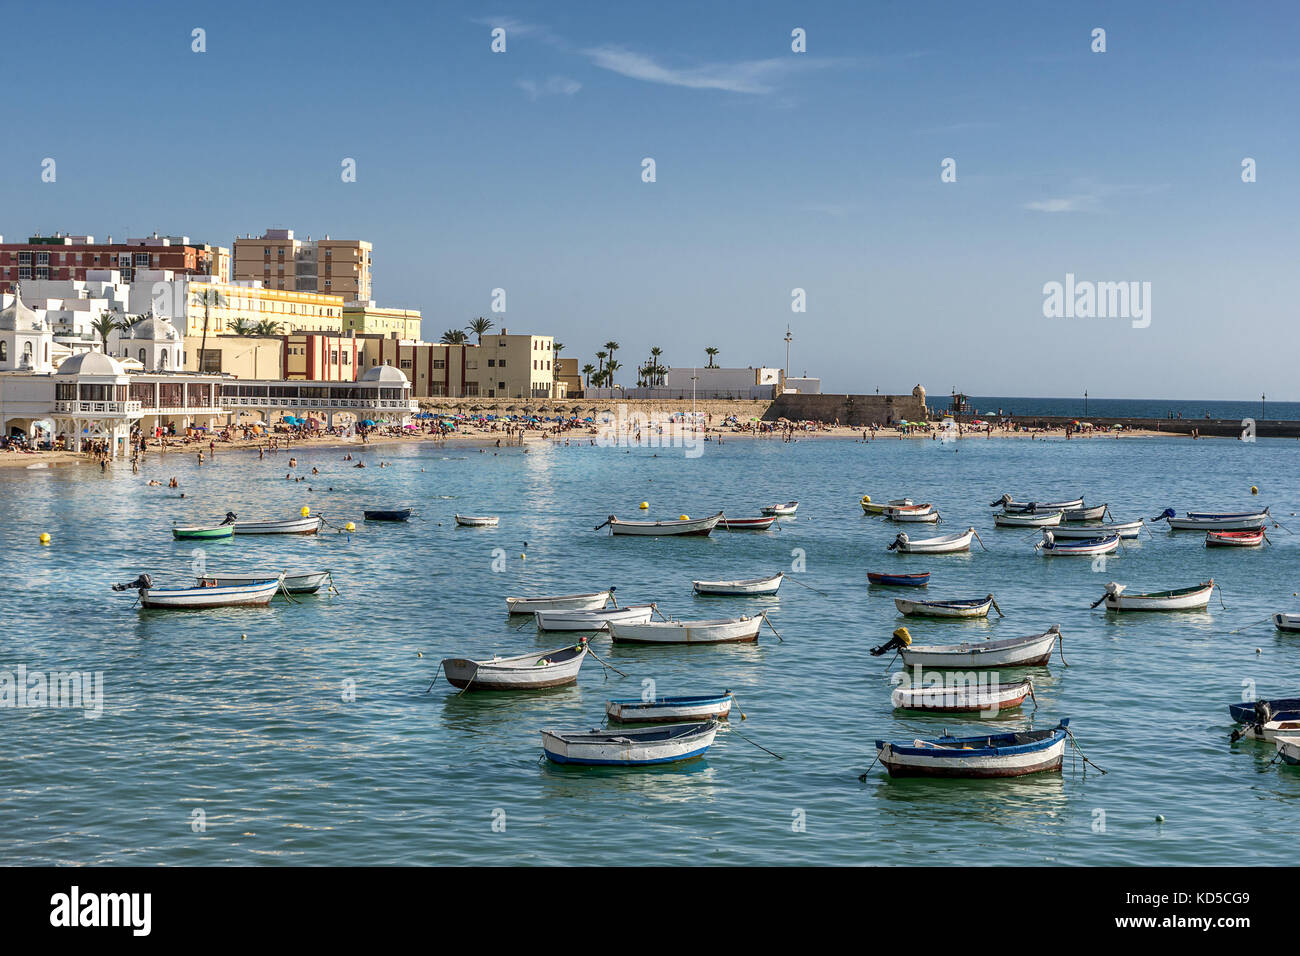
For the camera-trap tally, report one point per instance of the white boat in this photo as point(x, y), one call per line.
point(904, 516)
point(1196, 598)
point(987, 755)
point(1086, 547)
point(944, 544)
point(973, 607)
point(892, 511)
point(876, 508)
point(307, 582)
point(957, 700)
point(258, 593)
point(593, 620)
point(781, 511)
point(308, 525)
point(532, 671)
point(679, 526)
point(1288, 748)
point(670, 743)
point(747, 524)
point(591, 601)
point(1094, 513)
point(729, 630)
point(1215, 521)
point(747, 586)
point(1010, 505)
point(477, 521)
point(1269, 730)
point(1033, 650)
point(1028, 519)
point(1284, 621)
point(658, 710)
point(1125, 529)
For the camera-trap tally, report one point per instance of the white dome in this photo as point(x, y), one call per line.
point(154, 330)
point(16, 317)
point(384, 373)
point(91, 363)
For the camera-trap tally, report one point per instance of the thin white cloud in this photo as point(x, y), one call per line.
point(1063, 204)
point(755, 77)
point(551, 86)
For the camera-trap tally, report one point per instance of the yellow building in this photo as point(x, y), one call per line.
point(365, 318)
point(279, 261)
point(568, 379)
point(243, 356)
point(504, 366)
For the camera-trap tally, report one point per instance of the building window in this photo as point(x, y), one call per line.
point(439, 363)
point(501, 385)
point(142, 356)
point(163, 357)
point(4, 351)
point(210, 360)
point(501, 363)
point(406, 363)
point(492, 363)
point(27, 351)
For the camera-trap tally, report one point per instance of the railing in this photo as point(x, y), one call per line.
point(98, 408)
point(238, 401)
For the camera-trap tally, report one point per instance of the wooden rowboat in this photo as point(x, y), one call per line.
point(1125, 529)
point(1094, 513)
point(1235, 539)
point(974, 607)
point(630, 748)
point(918, 580)
point(1286, 622)
point(659, 710)
point(308, 525)
point(1196, 598)
point(1033, 650)
point(256, 594)
point(747, 524)
point(986, 755)
point(748, 587)
point(1028, 519)
point(590, 601)
point(731, 630)
point(477, 521)
point(390, 514)
point(928, 516)
point(532, 671)
point(893, 511)
point(306, 582)
point(961, 700)
point(944, 544)
point(593, 620)
point(1011, 506)
point(1105, 544)
point(1288, 748)
point(875, 508)
point(1215, 521)
point(780, 511)
point(207, 533)
point(680, 526)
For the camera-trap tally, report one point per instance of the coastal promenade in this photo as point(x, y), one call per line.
point(1204, 427)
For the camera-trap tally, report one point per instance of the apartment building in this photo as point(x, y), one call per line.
point(330, 266)
point(504, 366)
point(366, 318)
point(67, 257)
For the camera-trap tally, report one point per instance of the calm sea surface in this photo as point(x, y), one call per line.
point(257, 733)
point(1130, 407)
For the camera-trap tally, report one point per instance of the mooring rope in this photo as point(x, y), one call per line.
point(1079, 750)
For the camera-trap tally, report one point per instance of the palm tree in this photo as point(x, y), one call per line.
point(479, 327)
point(655, 353)
point(557, 348)
point(243, 327)
point(106, 324)
point(613, 347)
point(710, 352)
point(600, 358)
point(266, 327)
point(610, 368)
point(207, 298)
point(587, 370)
point(454, 337)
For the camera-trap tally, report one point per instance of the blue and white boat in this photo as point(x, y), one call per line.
point(630, 748)
point(1245, 712)
point(1288, 748)
point(918, 580)
point(634, 710)
point(1214, 520)
point(1103, 544)
point(987, 755)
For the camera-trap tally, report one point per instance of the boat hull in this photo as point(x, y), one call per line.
point(691, 527)
point(1234, 539)
point(1126, 529)
point(309, 525)
point(899, 580)
point(1249, 522)
point(481, 521)
point(1192, 599)
point(747, 524)
point(592, 601)
point(1095, 513)
point(1288, 748)
point(307, 583)
point(1084, 547)
point(203, 534)
point(516, 673)
point(592, 620)
point(403, 514)
point(902, 763)
point(749, 588)
point(630, 748)
point(1286, 622)
point(1034, 650)
point(669, 710)
point(742, 630)
point(193, 599)
point(1028, 520)
point(944, 608)
point(947, 700)
point(945, 544)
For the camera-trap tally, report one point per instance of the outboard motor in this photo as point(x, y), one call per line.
point(230, 518)
point(901, 540)
point(1004, 501)
point(1263, 714)
point(1167, 513)
point(900, 640)
point(139, 584)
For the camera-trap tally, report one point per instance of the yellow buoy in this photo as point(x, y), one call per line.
point(1254, 490)
point(683, 517)
point(866, 499)
point(304, 511)
point(419, 653)
point(45, 537)
point(644, 505)
point(523, 557)
point(243, 637)
point(350, 526)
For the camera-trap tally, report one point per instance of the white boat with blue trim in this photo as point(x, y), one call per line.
point(254, 594)
point(658, 710)
point(593, 620)
point(985, 755)
point(671, 743)
point(589, 601)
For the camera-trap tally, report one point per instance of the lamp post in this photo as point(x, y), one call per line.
point(788, 339)
point(1085, 403)
point(1261, 406)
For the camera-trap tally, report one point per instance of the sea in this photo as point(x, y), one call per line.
point(319, 732)
point(1129, 408)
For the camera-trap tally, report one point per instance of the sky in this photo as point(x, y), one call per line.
point(774, 170)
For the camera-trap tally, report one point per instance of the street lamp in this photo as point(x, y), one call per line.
point(788, 339)
point(1261, 406)
point(1085, 403)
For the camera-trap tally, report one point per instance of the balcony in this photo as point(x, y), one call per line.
point(97, 408)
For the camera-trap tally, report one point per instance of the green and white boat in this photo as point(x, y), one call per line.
point(203, 534)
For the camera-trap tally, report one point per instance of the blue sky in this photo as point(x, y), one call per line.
point(775, 171)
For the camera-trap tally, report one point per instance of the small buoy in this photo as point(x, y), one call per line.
point(1259, 650)
point(684, 517)
point(243, 637)
point(523, 557)
point(644, 505)
point(1254, 490)
point(1160, 818)
point(419, 653)
point(350, 526)
point(45, 537)
point(304, 510)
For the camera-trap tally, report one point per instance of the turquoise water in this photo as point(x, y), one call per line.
point(257, 733)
